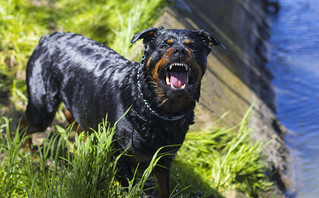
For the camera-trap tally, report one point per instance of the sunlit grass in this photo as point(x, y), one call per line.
point(89, 171)
point(210, 163)
point(221, 160)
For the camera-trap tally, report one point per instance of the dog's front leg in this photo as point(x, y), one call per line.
point(124, 174)
point(162, 175)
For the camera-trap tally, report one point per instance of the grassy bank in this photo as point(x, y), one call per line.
point(210, 164)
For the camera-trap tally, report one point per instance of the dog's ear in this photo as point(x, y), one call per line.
point(209, 39)
point(147, 35)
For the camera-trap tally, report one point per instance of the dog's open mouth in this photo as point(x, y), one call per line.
point(177, 75)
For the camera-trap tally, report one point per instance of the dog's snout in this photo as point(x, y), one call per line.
point(179, 53)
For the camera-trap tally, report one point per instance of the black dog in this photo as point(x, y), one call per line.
point(92, 80)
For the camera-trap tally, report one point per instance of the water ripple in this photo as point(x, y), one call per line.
point(295, 64)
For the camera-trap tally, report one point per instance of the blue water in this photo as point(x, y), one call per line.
point(295, 65)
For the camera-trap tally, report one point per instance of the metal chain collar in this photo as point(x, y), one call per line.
point(168, 118)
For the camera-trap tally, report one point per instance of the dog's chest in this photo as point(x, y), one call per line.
point(146, 139)
point(149, 137)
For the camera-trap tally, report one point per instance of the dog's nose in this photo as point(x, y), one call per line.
point(180, 52)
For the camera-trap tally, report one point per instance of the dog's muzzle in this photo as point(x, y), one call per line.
point(177, 75)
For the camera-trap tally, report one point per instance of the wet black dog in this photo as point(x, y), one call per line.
point(92, 80)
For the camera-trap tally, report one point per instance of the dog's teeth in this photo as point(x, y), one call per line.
point(167, 79)
point(182, 87)
point(187, 68)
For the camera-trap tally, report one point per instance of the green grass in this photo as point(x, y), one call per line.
point(53, 172)
point(221, 160)
point(209, 164)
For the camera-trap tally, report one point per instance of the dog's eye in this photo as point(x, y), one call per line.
point(164, 46)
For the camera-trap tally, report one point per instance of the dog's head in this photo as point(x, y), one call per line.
point(176, 58)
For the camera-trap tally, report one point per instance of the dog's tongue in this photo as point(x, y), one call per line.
point(178, 79)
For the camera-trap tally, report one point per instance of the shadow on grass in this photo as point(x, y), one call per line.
point(188, 183)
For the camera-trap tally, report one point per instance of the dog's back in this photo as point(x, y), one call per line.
point(73, 64)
